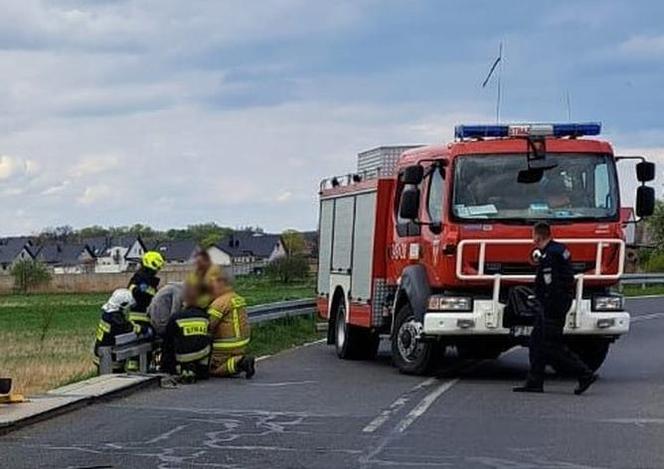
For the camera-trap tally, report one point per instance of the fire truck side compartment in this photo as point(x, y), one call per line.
point(346, 254)
point(325, 245)
point(363, 238)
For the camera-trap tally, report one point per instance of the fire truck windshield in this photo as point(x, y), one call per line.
point(580, 186)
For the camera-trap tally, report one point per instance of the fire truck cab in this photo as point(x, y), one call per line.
point(426, 248)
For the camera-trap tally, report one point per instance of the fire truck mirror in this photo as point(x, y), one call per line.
point(645, 201)
point(530, 176)
point(409, 209)
point(645, 171)
point(413, 174)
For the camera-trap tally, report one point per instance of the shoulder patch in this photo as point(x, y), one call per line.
point(566, 254)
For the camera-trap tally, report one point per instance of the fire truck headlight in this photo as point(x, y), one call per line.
point(450, 303)
point(608, 303)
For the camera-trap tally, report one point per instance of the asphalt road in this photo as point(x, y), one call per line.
point(308, 409)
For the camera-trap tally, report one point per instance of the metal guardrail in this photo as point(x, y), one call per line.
point(642, 279)
point(282, 309)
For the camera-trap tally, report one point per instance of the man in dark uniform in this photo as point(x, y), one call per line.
point(554, 287)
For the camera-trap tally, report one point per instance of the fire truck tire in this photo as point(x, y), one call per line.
point(592, 351)
point(411, 356)
point(349, 341)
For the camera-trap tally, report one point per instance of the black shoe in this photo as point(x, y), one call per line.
point(585, 383)
point(248, 365)
point(529, 387)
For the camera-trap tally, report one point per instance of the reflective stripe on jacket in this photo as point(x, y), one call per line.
point(232, 330)
point(187, 336)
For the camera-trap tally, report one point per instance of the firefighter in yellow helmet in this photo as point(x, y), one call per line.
point(143, 287)
point(229, 326)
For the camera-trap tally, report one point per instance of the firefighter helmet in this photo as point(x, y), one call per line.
point(120, 300)
point(153, 260)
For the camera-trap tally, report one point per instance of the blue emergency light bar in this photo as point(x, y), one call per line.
point(527, 130)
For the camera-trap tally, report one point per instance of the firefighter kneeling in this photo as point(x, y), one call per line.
point(229, 325)
point(187, 345)
point(113, 322)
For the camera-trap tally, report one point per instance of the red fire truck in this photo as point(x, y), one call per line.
point(426, 250)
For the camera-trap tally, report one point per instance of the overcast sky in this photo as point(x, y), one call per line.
point(171, 112)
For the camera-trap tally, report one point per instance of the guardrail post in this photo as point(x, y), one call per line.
point(143, 362)
point(105, 360)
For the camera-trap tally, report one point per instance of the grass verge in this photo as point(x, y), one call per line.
point(274, 336)
point(637, 290)
point(46, 340)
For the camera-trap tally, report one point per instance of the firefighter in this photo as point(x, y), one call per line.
point(114, 321)
point(202, 264)
point(187, 345)
point(229, 325)
point(554, 286)
point(143, 285)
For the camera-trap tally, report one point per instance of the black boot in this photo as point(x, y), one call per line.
point(530, 386)
point(248, 365)
point(585, 383)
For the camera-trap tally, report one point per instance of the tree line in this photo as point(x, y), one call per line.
point(205, 234)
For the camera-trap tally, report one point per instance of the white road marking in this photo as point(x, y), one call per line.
point(166, 435)
point(401, 401)
point(636, 421)
point(285, 383)
point(265, 357)
point(424, 405)
point(647, 317)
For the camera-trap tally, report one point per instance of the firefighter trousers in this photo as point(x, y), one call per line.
point(225, 363)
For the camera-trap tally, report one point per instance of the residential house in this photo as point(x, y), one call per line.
point(67, 258)
point(178, 252)
point(221, 254)
point(15, 249)
point(310, 244)
point(243, 247)
point(117, 254)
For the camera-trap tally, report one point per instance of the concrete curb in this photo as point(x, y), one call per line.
point(71, 397)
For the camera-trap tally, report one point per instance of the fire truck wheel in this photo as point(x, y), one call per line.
point(409, 354)
point(348, 340)
point(592, 351)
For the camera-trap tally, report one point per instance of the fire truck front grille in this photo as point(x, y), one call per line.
point(524, 268)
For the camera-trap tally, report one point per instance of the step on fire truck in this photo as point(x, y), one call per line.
point(426, 247)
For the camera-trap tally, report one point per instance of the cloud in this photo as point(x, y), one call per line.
point(169, 114)
point(284, 196)
point(628, 182)
point(94, 194)
point(91, 165)
point(12, 167)
point(56, 189)
point(643, 47)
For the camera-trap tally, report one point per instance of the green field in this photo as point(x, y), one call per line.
point(637, 290)
point(46, 340)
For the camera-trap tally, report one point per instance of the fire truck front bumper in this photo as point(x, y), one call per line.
point(486, 318)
